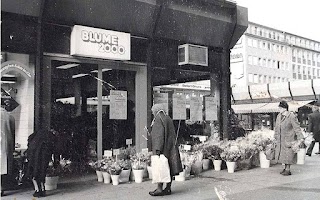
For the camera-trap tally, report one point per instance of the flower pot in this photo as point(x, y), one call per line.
point(99, 176)
point(149, 168)
point(264, 163)
point(138, 175)
point(106, 177)
point(181, 176)
point(231, 166)
point(51, 182)
point(196, 168)
point(115, 179)
point(188, 171)
point(301, 156)
point(206, 164)
point(125, 175)
point(217, 165)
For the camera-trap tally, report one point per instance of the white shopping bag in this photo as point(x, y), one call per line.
point(160, 169)
point(308, 138)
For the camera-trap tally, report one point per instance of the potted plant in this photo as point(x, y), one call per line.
point(54, 170)
point(96, 165)
point(231, 154)
point(105, 165)
point(115, 170)
point(125, 165)
point(138, 167)
point(214, 151)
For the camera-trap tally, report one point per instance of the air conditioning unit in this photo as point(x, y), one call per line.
point(192, 55)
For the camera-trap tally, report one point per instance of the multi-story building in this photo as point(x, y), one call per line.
point(267, 55)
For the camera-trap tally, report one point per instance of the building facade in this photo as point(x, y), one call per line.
point(267, 55)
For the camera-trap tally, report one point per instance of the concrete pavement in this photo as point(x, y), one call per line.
point(256, 183)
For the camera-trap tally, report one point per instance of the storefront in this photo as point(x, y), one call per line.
point(106, 93)
point(257, 105)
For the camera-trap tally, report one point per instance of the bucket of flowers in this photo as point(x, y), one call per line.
point(115, 170)
point(139, 165)
point(105, 166)
point(96, 166)
point(231, 154)
point(248, 150)
point(54, 170)
point(125, 165)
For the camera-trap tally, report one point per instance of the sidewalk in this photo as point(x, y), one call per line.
point(256, 184)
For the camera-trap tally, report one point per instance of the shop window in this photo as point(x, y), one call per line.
point(294, 76)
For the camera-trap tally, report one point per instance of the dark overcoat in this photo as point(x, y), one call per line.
point(314, 125)
point(163, 137)
point(39, 154)
point(287, 130)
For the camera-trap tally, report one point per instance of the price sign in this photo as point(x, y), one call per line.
point(145, 150)
point(202, 138)
point(128, 141)
point(187, 147)
point(107, 153)
point(116, 152)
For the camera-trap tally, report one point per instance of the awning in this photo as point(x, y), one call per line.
point(246, 108)
point(267, 107)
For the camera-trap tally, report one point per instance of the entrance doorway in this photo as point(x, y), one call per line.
point(85, 112)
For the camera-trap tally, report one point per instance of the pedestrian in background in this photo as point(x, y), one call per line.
point(314, 127)
point(164, 137)
point(287, 131)
point(7, 146)
point(39, 153)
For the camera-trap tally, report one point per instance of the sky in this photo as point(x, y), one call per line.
point(300, 18)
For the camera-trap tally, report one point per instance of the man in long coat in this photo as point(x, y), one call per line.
point(7, 146)
point(163, 137)
point(314, 127)
point(287, 131)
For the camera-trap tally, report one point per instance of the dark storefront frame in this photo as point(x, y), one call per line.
point(216, 24)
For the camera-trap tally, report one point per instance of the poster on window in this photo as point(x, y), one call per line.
point(161, 98)
point(196, 108)
point(179, 107)
point(118, 104)
point(211, 109)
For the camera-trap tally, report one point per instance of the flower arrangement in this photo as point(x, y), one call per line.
point(115, 168)
point(106, 163)
point(187, 159)
point(56, 168)
point(95, 165)
point(261, 139)
point(125, 164)
point(139, 161)
point(247, 148)
point(231, 153)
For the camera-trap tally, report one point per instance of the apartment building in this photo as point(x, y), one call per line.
point(267, 55)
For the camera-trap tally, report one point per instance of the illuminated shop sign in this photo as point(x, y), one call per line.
point(99, 43)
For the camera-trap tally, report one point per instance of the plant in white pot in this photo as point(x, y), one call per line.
point(54, 170)
point(138, 167)
point(231, 154)
point(115, 170)
point(126, 170)
point(96, 165)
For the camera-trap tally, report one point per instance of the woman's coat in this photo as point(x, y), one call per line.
point(164, 140)
point(287, 130)
point(7, 142)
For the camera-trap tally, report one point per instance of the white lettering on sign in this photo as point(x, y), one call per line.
point(94, 42)
point(17, 67)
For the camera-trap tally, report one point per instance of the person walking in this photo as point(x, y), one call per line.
point(314, 127)
point(287, 132)
point(7, 146)
point(39, 152)
point(163, 137)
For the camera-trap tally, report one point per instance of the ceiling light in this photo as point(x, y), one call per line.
point(9, 82)
point(103, 70)
point(8, 75)
point(79, 75)
point(68, 66)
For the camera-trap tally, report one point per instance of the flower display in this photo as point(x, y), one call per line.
point(140, 160)
point(115, 168)
point(56, 168)
point(231, 153)
point(106, 163)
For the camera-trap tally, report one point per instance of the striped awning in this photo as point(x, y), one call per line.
point(267, 107)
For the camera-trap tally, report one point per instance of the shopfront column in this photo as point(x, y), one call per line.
point(225, 91)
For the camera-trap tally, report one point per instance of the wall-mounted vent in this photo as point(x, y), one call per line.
point(192, 55)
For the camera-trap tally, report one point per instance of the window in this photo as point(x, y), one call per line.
point(250, 78)
point(264, 62)
point(283, 79)
point(255, 60)
point(293, 68)
point(249, 42)
point(287, 66)
point(299, 69)
point(294, 76)
point(278, 64)
point(256, 78)
point(260, 78)
point(260, 61)
point(254, 43)
point(270, 79)
point(250, 61)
